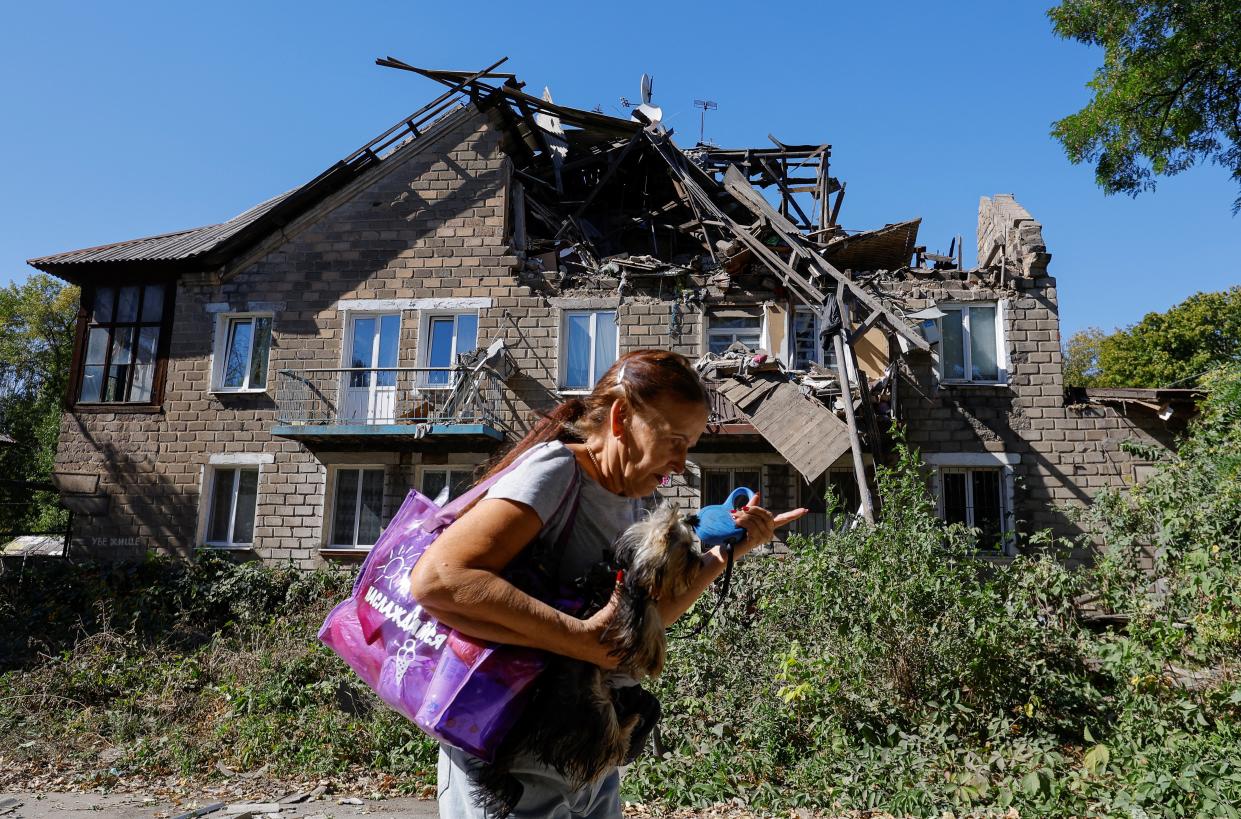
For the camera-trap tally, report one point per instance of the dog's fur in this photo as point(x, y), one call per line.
point(574, 722)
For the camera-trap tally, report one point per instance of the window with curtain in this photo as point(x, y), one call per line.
point(120, 355)
point(357, 508)
point(243, 343)
point(970, 344)
point(588, 346)
point(232, 499)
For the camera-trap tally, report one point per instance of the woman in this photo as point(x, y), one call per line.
point(634, 429)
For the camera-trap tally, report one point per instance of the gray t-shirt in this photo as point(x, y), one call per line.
point(541, 480)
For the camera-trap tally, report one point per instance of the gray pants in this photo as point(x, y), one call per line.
point(546, 796)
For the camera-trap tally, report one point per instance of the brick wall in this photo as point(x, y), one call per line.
point(429, 223)
point(1067, 454)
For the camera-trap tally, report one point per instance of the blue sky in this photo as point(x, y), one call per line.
point(129, 119)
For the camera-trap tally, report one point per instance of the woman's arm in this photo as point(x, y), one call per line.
point(458, 581)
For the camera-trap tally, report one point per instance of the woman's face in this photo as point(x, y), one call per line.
point(656, 439)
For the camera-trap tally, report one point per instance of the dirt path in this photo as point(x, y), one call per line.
point(132, 806)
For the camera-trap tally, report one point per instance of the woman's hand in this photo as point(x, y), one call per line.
point(760, 524)
point(597, 645)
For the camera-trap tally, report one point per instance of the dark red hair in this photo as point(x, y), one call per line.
point(640, 377)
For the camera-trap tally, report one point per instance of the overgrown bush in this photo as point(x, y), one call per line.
point(175, 668)
point(885, 667)
point(889, 667)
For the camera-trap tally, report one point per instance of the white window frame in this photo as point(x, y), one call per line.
point(329, 505)
point(232, 460)
point(424, 341)
point(710, 332)
point(562, 360)
point(219, 352)
point(1001, 349)
point(791, 342)
point(969, 462)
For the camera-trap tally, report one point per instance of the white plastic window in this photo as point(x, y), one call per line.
point(232, 501)
point(589, 345)
point(971, 344)
point(242, 349)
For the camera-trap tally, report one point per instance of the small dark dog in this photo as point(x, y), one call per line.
point(575, 722)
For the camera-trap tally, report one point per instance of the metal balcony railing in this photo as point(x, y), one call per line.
point(356, 396)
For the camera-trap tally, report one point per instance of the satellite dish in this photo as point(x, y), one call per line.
point(651, 112)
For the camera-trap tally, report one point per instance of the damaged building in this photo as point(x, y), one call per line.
point(275, 383)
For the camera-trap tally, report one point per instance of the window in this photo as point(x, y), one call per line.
point(719, 482)
point(975, 497)
point(242, 344)
point(588, 346)
point(807, 347)
point(446, 337)
point(726, 326)
point(372, 343)
point(231, 504)
point(442, 484)
point(357, 507)
point(812, 496)
point(971, 344)
point(122, 344)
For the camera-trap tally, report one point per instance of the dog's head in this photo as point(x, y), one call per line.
point(658, 553)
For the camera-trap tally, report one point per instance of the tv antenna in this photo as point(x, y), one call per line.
point(705, 105)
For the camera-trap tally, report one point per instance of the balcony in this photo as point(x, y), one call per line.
point(359, 405)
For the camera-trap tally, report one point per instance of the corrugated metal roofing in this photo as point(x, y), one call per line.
point(182, 244)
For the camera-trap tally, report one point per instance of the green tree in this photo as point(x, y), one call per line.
point(36, 345)
point(1081, 357)
point(1168, 94)
point(1173, 348)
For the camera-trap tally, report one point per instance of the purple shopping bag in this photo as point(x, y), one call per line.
point(457, 689)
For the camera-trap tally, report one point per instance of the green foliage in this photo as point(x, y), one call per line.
point(36, 344)
point(1081, 357)
point(1168, 94)
point(1173, 348)
point(888, 668)
point(172, 668)
point(1199, 334)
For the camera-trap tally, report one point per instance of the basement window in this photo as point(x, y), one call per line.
point(975, 489)
point(971, 346)
point(242, 347)
point(121, 350)
point(231, 505)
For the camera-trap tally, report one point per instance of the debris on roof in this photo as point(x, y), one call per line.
point(800, 427)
